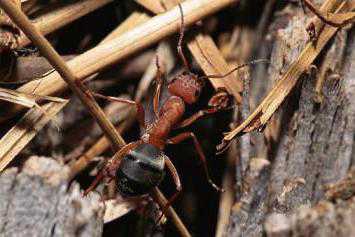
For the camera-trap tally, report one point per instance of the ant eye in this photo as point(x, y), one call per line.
point(197, 93)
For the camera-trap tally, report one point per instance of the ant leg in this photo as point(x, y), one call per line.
point(195, 117)
point(110, 168)
point(181, 37)
point(183, 136)
point(221, 100)
point(139, 107)
point(175, 176)
point(159, 82)
point(177, 182)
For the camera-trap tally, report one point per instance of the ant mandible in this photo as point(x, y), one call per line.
point(139, 166)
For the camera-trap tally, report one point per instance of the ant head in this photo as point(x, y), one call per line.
point(187, 86)
point(140, 170)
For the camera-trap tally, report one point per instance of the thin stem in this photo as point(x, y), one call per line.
point(80, 90)
point(119, 47)
point(60, 17)
point(56, 61)
point(159, 197)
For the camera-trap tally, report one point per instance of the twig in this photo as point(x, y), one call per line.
point(159, 197)
point(58, 18)
point(148, 4)
point(99, 147)
point(128, 43)
point(227, 198)
point(208, 57)
point(57, 62)
point(102, 144)
point(335, 20)
point(84, 95)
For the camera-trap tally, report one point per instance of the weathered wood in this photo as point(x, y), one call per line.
point(314, 146)
point(38, 201)
point(325, 219)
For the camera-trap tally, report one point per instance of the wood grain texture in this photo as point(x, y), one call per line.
point(314, 147)
point(37, 201)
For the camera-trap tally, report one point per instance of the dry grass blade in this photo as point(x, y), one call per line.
point(61, 67)
point(58, 18)
point(79, 89)
point(336, 20)
point(103, 144)
point(283, 87)
point(148, 4)
point(208, 56)
point(210, 59)
point(17, 98)
point(27, 100)
point(25, 130)
point(134, 20)
point(130, 42)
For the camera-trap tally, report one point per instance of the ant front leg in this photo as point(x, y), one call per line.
point(221, 100)
point(186, 135)
point(195, 117)
point(139, 107)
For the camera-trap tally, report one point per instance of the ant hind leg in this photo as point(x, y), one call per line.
point(177, 182)
point(186, 135)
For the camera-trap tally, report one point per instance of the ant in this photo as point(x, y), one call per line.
point(139, 166)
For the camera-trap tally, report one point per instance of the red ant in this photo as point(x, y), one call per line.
point(139, 165)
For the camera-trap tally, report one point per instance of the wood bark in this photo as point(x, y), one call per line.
point(38, 201)
point(283, 180)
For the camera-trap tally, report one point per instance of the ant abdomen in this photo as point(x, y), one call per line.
point(140, 170)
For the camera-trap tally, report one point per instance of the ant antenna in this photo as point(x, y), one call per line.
point(181, 37)
point(236, 68)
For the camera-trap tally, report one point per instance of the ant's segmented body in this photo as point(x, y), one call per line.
point(139, 166)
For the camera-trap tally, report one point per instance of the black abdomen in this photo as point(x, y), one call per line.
point(140, 170)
